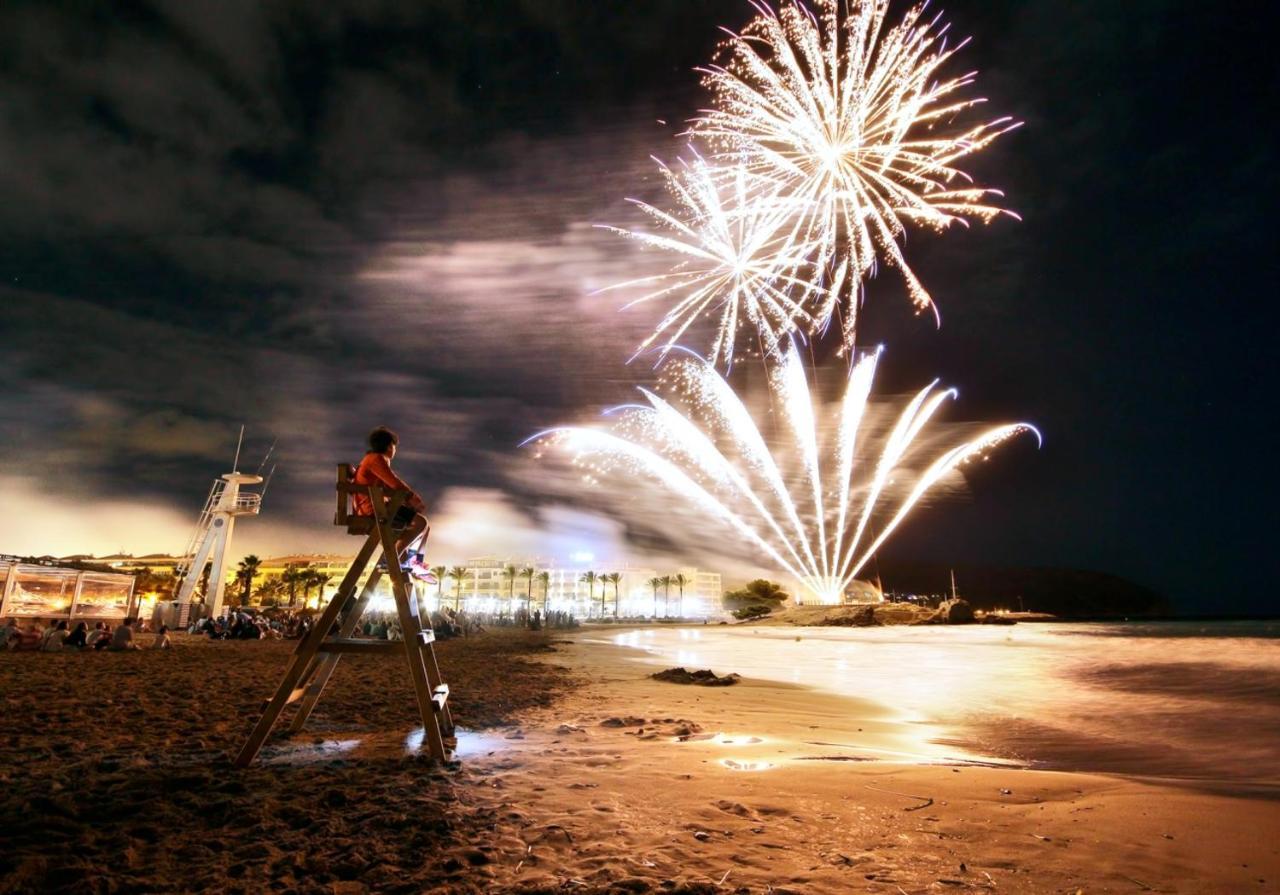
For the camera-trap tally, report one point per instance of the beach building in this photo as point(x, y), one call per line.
point(127, 563)
point(52, 592)
point(485, 586)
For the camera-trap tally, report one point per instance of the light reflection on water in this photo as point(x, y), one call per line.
point(1169, 699)
point(470, 742)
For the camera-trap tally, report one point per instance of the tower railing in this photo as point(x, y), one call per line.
point(183, 566)
point(246, 503)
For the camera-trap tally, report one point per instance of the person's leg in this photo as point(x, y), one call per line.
point(415, 529)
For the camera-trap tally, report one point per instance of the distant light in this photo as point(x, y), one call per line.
point(582, 556)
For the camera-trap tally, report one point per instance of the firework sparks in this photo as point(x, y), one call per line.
point(734, 260)
point(829, 133)
point(801, 501)
point(849, 121)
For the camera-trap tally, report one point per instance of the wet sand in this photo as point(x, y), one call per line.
point(768, 787)
point(114, 777)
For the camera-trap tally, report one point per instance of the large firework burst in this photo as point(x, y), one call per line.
point(842, 130)
point(801, 499)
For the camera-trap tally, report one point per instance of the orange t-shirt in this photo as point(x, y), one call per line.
point(375, 469)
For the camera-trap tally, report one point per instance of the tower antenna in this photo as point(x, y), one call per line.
point(267, 457)
point(267, 483)
point(235, 467)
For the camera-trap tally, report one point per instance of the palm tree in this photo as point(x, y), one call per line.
point(439, 572)
point(292, 577)
point(612, 578)
point(248, 570)
point(679, 580)
point(655, 583)
point(309, 578)
point(589, 579)
point(544, 578)
point(527, 573)
point(458, 574)
point(270, 590)
point(509, 575)
point(665, 581)
point(321, 581)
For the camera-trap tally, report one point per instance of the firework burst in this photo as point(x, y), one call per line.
point(829, 133)
point(803, 501)
point(734, 260)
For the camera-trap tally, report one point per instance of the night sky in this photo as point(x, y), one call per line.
point(317, 217)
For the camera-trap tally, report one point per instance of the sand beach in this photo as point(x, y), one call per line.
point(578, 773)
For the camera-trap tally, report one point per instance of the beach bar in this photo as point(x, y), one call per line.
point(55, 592)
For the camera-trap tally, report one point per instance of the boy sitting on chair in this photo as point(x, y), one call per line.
point(375, 469)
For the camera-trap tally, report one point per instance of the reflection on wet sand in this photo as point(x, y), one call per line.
point(1049, 696)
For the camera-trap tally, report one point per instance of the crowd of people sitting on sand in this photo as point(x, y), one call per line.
point(244, 624)
point(448, 622)
point(60, 635)
point(448, 619)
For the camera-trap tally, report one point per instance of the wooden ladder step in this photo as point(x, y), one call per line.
point(354, 645)
point(440, 696)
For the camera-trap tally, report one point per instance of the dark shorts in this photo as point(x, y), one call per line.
point(403, 517)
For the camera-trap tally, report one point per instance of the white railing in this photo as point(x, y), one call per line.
point(202, 525)
point(246, 503)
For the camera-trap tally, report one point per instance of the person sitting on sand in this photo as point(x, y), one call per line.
point(77, 638)
point(10, 635)
point(99, 632)
point(162, 639)
point(52, 640)
point(122, 639)
point(375, 469)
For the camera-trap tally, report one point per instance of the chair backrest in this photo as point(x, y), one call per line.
point(346, 473)
point(355, 525)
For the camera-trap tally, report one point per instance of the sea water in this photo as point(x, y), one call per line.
point(1188, 700)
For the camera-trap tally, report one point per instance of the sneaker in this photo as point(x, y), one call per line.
point(418, 569)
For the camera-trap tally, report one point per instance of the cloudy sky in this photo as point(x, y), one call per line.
point(312, 218)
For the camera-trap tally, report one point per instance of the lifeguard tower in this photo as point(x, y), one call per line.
point(212, 538)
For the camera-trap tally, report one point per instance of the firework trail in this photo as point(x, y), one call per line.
point(801, 501)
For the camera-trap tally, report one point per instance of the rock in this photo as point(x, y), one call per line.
point(623, 722)
point(861, 617)
point(953, 612)
point(703, 678)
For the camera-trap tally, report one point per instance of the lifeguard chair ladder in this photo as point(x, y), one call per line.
point(317, 654)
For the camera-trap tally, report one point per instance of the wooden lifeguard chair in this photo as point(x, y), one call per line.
point(317, 654)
